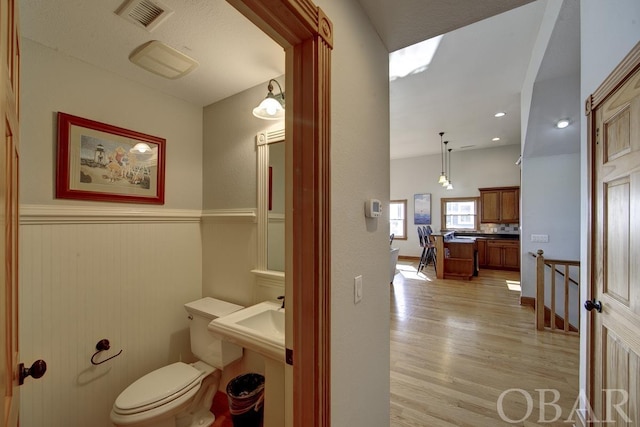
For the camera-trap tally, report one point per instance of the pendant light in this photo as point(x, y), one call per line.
point(450, 185)
point(443, 177)
point(446, 179)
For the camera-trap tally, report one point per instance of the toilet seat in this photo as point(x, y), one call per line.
point(170, 385)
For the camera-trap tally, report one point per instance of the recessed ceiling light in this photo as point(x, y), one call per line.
point(500, 114)
point(563, 123)
point(496, 139)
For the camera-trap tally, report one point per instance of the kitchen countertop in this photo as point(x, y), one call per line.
point(488, 236)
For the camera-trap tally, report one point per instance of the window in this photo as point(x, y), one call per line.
point(398, 219)
point(460, 213)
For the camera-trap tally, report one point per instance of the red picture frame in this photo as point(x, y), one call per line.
point(270, 188)
point(100, 162)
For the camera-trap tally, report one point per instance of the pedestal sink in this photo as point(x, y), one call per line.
point(260, 328)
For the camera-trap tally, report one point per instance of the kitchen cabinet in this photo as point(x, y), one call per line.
point(503, 254)
point(458, 258)
point(500, 205)
point(482, 252)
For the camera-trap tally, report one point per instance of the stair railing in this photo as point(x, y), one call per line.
point(543, 313)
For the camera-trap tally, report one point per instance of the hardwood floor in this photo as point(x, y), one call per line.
point(457, 346)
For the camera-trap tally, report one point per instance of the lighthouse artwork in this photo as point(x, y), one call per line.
point(97, 161)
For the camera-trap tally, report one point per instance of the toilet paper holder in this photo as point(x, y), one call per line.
point(101, 346)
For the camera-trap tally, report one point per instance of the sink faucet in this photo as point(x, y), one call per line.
point(282, 298)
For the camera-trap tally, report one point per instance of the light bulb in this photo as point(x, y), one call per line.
point(269, 108)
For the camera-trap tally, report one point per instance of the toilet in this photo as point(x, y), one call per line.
point(180, 394)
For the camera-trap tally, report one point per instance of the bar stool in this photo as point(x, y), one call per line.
point(430, 248)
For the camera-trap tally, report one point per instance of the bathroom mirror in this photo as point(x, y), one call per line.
point(275, 207)
point(271, 203)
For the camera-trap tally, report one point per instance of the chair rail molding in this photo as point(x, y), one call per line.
point(59, 214)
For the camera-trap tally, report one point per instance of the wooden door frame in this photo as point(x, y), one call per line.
point(306, 34)
point(619, 76)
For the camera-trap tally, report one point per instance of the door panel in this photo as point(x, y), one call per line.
point(616, 231)
point(510, 206)
point(494, 255)
point(512, 256)
point(615, 337)
point(490, 205)
point(9, 215)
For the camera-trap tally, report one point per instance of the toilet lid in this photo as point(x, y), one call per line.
point(158, 385)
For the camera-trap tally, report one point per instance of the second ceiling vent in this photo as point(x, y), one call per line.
point(144, 13)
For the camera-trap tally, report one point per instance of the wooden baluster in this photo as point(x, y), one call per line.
point(540, 291)
point(552, 317)
point(566, 297)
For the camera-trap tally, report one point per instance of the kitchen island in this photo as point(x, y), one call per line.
point(457, 257)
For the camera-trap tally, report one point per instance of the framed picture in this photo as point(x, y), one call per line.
point(101, 162)
point(422, 208)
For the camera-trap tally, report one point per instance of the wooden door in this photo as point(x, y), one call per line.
point(9, 155)
point(614, 357)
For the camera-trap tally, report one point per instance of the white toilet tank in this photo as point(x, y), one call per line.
point(204, 345)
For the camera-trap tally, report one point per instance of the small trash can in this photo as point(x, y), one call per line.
point(246, 397)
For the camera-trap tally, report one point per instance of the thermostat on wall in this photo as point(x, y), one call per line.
point(372, 208)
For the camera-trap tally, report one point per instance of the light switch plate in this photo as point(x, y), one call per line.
point(357, 289)
point(540, 238)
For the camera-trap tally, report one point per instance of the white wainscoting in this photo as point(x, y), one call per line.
point(93, 273)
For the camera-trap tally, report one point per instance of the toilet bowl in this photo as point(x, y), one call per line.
point(180, 394)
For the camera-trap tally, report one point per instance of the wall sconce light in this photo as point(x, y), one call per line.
point(272, 107)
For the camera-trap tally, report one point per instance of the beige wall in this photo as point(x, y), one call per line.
point(229, 149)
point(229, 194)
point(53, 82)
point(359, 246)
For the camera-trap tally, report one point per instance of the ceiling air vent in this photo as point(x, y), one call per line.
point(145, 13)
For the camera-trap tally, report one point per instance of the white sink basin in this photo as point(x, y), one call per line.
point(259, 328)
point(269, 323)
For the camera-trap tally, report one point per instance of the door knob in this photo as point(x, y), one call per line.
point(37, 370)
point(591, 304)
